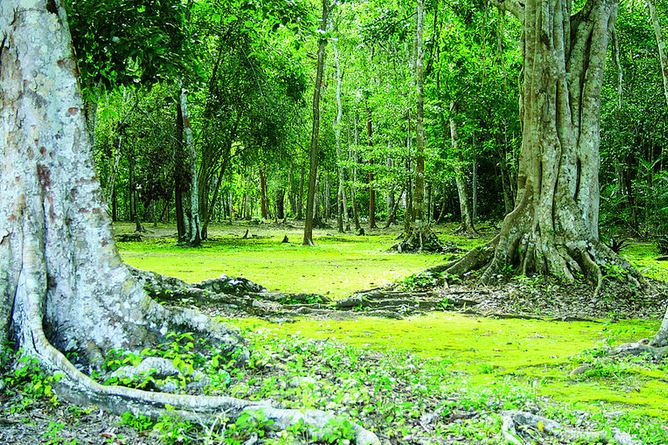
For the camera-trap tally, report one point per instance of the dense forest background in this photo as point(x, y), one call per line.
point(247, 69)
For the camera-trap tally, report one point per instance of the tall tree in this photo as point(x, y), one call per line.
point(313, 153)
point(63, 287)
point(553, 229)
point(418, 236)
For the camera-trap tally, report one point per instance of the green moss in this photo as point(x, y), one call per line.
point(643, 256)
point(539, 355)
point(337, 266)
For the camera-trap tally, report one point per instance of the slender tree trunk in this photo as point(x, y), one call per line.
point(341, 206)
point(280, 204)
point(460, 178)
point(313, 165)
point(418, 194)
point(180, 175)
point(326, 193)
point(195, 236)
point(263, 194)
point(111, 184)
point(214, 201)
point(371, 176)
point(300, 194)
point(353, 186)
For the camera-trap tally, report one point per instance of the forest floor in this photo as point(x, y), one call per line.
point(443, 377)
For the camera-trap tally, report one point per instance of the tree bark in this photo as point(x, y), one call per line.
point(63, 286)
point(553, 229)
point(341, 205)
point(313, 164)
point(418, 194)
point(371, 176)
point(195, 234)
point(465, 208)
point(263, 195)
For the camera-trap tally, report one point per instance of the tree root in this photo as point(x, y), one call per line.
point(80, 388)
point(520, 428)
point(642, 347)
point(419, 238)
point(75, 386)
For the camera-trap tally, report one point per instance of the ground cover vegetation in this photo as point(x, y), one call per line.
point(516, 147)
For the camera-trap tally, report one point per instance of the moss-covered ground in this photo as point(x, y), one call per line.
point(561, 360)
point(337, 265)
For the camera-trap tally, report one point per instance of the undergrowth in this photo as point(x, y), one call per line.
point(404, 399)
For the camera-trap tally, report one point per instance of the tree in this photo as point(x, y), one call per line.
point(419, 236)
point(553, 229)
point(63, 287)
point(313, 153)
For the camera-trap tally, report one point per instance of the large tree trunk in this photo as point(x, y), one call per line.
point(553, 229)
point(313, 164)
point(63, 286)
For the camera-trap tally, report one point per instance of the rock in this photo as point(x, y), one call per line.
point(230, 285)
point(129, 237)
point(579, 370)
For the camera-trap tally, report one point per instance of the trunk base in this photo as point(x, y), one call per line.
point(419, 238)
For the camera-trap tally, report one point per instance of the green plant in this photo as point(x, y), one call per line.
point(52, 435)
point(171, 429)
point(32, 382)
point(249, 423)
point(662, 244)
point(137, 421)
point(338, 431)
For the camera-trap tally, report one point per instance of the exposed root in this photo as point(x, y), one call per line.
point(79, 388)
point(520, 428)
point(642, 347)
point(419, 238)
point(474, 260)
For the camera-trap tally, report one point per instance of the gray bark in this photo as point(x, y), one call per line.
point(63, 286)
point(465, 208)
point(342, 204)
point(194, 225)
point(553, 229)
point(418, 194)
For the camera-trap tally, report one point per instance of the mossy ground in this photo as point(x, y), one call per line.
point(337, 265)
point(499, 354)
